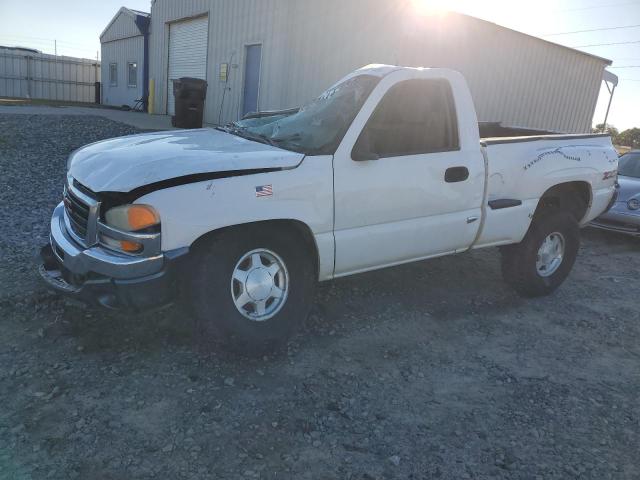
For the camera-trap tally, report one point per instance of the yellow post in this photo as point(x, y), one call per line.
point(152, 95)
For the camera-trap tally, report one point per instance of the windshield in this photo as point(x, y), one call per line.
point(630, 165)
point(317, 128)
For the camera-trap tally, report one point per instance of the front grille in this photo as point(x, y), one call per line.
point(81, 212)
point(77, 213)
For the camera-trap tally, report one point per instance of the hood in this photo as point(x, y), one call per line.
point(629, 187)
point(126, 163)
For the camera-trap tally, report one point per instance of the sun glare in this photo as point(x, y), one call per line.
point(510, 13)
point(432, 7)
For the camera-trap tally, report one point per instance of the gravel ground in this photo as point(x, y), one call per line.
point(432, 370)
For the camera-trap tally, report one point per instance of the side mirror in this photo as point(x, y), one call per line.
point(362, 153)
point(363, 156)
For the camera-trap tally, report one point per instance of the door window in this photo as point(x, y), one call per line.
point(414, 117)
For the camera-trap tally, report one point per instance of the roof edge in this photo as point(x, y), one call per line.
point(127, 11)
point(602, 59)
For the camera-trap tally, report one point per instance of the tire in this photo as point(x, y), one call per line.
point(533, 272)
point(211, 291)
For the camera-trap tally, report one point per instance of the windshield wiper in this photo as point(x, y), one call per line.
point(260, 138)
point(225, 129)
point(244, 133)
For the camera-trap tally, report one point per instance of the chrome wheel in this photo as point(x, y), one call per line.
point(550, 255)
point(260, 285)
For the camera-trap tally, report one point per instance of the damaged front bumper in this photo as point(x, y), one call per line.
point(103, 277)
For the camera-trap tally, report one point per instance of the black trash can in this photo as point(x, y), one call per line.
point(189, 94)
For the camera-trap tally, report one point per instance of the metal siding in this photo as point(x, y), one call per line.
point(308, 45)
point(163, 12)
point(124, 26)
point(30, 75)
point(188, 45)
point(122, 52)
point(234, 24)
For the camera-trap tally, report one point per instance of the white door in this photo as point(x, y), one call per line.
point(188, 43)
point(405, 186)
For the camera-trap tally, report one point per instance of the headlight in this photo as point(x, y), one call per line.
point(130, 218)
point(634, 204)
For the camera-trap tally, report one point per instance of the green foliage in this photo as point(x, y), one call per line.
point(613, 131)
point(629, 138)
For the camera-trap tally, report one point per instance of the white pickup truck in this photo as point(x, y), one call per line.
point(386, 167)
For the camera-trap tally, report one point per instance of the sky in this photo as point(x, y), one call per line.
point(76, 25)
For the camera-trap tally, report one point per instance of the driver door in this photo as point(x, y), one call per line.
point(406, 186)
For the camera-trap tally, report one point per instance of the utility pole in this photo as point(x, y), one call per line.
point(55, 47)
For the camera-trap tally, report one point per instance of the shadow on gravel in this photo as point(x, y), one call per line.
point(439, 291)
point(100, 332)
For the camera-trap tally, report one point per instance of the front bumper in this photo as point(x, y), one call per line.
point(619, 219)
point(102, 277)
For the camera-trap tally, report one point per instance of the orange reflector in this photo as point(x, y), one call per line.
point(131, 247)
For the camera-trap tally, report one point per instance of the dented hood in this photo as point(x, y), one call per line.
point(126, 163)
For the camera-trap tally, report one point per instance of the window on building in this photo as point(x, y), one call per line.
point(113, 74)
point(132, 74)
point(414, 117)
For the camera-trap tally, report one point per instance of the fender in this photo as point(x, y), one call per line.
point(303, 194)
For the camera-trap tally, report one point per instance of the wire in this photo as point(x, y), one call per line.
point(627, 66)
point(595, 6)
point(41, 39)
point(44, 43)
point(605, 44)
point(592, 30)
point(226, 86)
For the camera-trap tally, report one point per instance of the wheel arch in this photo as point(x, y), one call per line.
point(295, 227)
point(575, 197)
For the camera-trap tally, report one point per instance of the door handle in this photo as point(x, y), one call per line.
point(456, 174)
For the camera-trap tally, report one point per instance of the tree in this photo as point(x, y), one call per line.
point(629, 138)
point(611, 130)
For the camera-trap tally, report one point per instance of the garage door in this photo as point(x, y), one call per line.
point(188, 42)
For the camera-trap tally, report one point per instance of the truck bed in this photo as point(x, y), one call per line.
point(497, 140)
point(520, 168)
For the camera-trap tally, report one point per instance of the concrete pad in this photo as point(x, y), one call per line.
point(139, 120)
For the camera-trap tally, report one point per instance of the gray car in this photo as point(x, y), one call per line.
point(624, 216)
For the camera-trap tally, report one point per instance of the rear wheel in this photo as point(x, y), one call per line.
point(543, 260)
point(251, 287)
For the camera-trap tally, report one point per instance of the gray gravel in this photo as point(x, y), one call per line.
point(431, 370)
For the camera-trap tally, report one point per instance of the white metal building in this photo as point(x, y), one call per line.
point(124, 43)
point(273, 54)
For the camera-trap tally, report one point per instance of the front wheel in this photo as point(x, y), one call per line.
point(543, 260)
point(251, 287)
